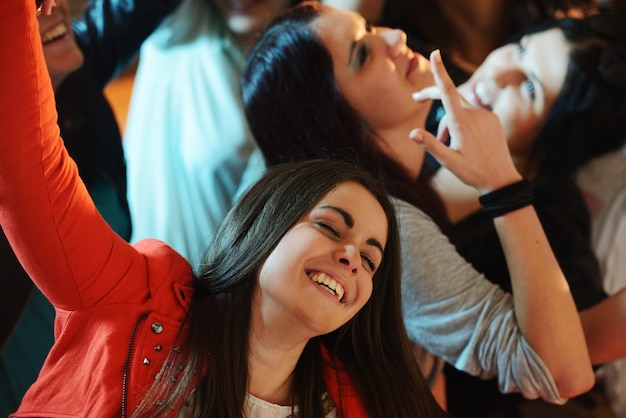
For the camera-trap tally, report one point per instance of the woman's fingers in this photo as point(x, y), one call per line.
point(434, 146)
point(428, 93)
point(450, 97)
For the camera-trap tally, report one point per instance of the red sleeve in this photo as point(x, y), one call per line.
point(45, 210)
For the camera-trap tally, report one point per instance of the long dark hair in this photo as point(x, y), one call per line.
point(373, 346)
point(589, 116)
point(296, 111)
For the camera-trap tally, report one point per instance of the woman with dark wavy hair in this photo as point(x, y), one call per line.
point(295, 311)
point(320, 72)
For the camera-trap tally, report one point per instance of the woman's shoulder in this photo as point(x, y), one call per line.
point(159, 252)
point(409, 215)
point(164, 264)
point(407, 209)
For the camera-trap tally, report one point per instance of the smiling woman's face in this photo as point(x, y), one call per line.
point(320, 274)
point(59, 48)
point(374, 69)
point(520, 84)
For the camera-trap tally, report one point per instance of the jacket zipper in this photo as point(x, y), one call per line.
point(127, 364)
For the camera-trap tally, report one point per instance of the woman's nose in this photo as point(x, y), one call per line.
point(395, 39)
point(506, 75)
point(349, 257)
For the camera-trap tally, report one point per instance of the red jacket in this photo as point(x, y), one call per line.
point(118, 306)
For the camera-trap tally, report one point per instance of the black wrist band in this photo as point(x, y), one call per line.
point(507, 199)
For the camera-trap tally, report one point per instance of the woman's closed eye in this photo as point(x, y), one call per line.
point(363, 50)
point(362, 55)
point(327, 227)
point(369, 262)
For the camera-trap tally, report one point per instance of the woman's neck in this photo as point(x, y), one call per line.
point(274, 350)
point(396, 143)
point(271, 370)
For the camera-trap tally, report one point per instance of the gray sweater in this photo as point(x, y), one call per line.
point(453, 312)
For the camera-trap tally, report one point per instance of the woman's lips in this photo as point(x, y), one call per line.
point(476, 96)
point(57, 31)
point(413, 64)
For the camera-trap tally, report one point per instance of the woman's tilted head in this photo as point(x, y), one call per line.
point(320, 274)
point(318, 66)
point(520, 82)
point(285, 196)
point(558, 91)
point(374, 69)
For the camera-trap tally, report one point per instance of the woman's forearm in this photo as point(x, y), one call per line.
point(544, 307)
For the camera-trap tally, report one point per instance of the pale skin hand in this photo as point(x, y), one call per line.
point(465, 122)
point(544, 307)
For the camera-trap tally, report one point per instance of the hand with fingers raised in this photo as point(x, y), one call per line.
point(478, 152)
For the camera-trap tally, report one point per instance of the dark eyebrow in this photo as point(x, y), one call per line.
point(349, 220)
point(374, 243)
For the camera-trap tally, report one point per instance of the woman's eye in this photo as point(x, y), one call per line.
point(529, 86)
point(328, 228)
point(370, 263)
point(362, 55)
point(520, 50)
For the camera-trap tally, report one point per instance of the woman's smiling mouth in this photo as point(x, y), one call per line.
point(329, 284)
point(56, 32)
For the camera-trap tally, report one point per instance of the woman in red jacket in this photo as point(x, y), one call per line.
point(295, 311)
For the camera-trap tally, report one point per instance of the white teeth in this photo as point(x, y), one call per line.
point(329, 284)
point(55, 33)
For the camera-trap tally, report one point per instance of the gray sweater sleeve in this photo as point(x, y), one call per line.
point(452, 311)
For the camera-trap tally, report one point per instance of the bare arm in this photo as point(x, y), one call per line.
point(604, 325)
point(544, 307)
